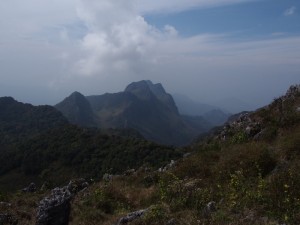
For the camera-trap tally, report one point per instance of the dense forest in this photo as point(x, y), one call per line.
point(38, 143)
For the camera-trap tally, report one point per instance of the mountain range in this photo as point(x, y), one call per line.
point(92, 134)
point(143, 106)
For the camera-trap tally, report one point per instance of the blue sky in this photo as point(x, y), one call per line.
point(209, 50)
point(254, 19)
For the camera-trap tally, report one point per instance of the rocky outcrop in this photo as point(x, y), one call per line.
point(209, 209)
point(77, 185)
point(171, 222)
point(129, 172)
point(167, 167)
point(107, 177)
point(8, 219)
point(132, 216)
point(30, 189)
point(293, 91)
point(257, 125)
point(5, 204)
point(55, 209)
point(244, 123)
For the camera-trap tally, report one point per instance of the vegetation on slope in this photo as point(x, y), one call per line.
point(252, 181)
point(70, 151)
point(37, 144)
point(252, 176)
point(19, 120)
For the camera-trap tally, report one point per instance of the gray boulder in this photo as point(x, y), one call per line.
point(8, 219)
point(132, 216)
point(30, 189)
point(209, 209)
point(55, 209)
point(5, 204)
point(171, 222)
point(107, 177)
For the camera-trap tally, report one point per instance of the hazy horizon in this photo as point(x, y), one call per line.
point(232, 104)
point(208, 50)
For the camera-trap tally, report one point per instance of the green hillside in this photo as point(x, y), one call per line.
point(246, 172)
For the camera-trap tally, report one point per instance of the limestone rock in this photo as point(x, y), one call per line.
point(30, 189)
point(8, 219)
point(171, 222)
point(132, 216)
point(107, 177)
point(167, 167)
point(129, 172)
point(209, 209)
point(55, 209)
point(5, 204)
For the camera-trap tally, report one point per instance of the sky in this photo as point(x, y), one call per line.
point(209, 50)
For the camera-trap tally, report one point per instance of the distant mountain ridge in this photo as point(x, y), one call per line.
point(209, 113)
point(187, 106)
point(143, 106)
point(19, 120)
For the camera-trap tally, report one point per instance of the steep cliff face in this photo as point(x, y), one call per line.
point(147, 87)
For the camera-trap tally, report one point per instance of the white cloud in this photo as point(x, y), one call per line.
point(171, 31)
point(124, 43)
point(118, 39)
point(290, 11)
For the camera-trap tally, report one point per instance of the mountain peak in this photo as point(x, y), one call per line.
point(76, 95)
point(7, 100)
point(77, 109)
point(146, 85)
point(141, 89)
point(145, 89)
point(143, 84)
